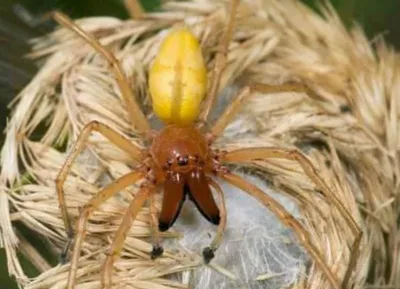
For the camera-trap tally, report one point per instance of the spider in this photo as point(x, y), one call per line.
point(180, 160)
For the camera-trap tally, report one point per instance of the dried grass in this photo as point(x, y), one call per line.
point(348, 128)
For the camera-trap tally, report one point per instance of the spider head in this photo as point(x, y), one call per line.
point(179, 149)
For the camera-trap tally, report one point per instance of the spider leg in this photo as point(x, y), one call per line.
point(355, 254)
point(138, 119)
point(116, 246)
point(244, 94)
point(134, 9)
point(250, 154)
point(286, 218)
point(220, 63)
point(209, 252)
point(155, 232)
point(112, 136)
point(87, 210)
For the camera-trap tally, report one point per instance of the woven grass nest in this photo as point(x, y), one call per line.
point(348, 128)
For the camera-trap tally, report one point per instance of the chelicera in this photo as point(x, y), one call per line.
point(180, 161)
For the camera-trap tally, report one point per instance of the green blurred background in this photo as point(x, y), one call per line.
point(377, 18)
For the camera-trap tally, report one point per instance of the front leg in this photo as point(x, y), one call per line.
point(136, 115)
point(247, 155)
point(116, 246)
point(114, 137)
point(286, 218)
point(134, 9)
point(221, 60)
point(102, 196)
point(244, 94)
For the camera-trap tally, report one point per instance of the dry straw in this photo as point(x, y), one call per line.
point(348, 128)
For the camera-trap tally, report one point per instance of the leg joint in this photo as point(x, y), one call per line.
point(93, 125)
point(85, 210)
point(59, 182)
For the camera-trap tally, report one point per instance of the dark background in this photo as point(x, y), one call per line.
point(376, 17)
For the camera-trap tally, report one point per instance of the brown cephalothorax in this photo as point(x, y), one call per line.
point(182, 158)
point(180, 161)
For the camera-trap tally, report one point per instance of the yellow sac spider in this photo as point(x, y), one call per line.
point(180, 160)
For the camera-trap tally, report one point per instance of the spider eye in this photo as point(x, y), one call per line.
point(178, 78)
point(183, 161)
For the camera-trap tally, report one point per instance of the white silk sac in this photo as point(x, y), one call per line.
point(256, 252)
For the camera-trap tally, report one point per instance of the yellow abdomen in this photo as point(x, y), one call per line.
point(178, 78)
